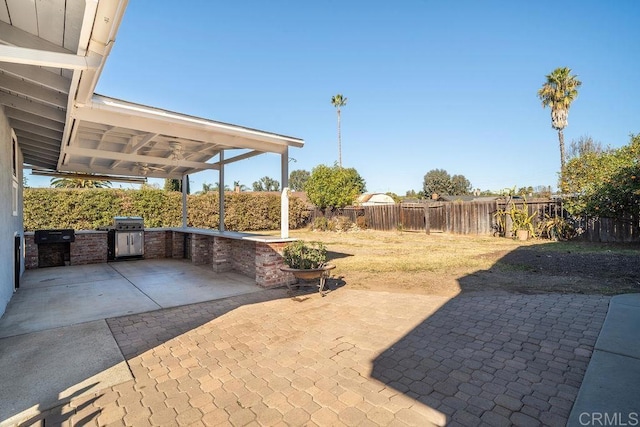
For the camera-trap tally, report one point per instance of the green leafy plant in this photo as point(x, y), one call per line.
point(305, 255)
point(556, 228)
point(520, 219)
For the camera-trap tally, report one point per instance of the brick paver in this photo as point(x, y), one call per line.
point(350, 358)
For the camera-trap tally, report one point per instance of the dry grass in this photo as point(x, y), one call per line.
point(444, 264)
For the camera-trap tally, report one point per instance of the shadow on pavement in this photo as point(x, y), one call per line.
point(496, 357)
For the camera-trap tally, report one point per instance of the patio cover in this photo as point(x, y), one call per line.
point(51, 56)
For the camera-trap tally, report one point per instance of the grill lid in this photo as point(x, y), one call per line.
point(128, 223)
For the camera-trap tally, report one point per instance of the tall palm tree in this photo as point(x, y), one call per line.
point(558, 92)
point(339, 101)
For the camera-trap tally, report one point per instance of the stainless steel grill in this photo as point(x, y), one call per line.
point(122, 223)
point(129, 236)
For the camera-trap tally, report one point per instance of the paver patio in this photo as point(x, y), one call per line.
point(351, 358)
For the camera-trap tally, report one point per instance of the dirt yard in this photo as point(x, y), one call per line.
point(447, 265)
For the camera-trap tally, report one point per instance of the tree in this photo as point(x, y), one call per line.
point(585, 144)
point(436, 181)
point(206, 188)
point(78, 183)
point(604, 183)
point(297, 179)
point(339, 101)
point(394, 196)
point(334, 187)
point(239, 187)
point(266, 184)
point(557, 93)
point(460, 186)
point(209, 188)
point(171, 184)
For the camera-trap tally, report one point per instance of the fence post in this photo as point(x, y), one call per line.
point(427, 223)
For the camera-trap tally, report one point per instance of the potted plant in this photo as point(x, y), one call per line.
point(521, 221)
point(307, 261)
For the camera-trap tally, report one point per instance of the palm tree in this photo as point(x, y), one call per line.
point(237, 187)
point(78, 183)
point(339, 101)
point(558, 92)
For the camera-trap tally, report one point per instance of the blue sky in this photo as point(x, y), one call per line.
point(448, 85)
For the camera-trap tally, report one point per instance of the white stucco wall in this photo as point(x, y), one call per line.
point(9, 224)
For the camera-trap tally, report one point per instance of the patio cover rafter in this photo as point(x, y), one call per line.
point(130, 157)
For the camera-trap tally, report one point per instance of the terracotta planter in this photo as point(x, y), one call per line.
point(321, 273)
point(522, 234)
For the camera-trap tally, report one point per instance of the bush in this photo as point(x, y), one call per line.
point(342, 223)
point(337, 223)
point(87, 209)
point(334, 187)
point(304, 256)
point(320, 224)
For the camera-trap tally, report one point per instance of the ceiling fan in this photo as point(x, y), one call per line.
point(175, 151)
point(144, 168)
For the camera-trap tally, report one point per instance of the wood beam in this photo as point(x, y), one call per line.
point(82, 167)
point(39, 76)
point(39, 138)
point(32, 107)
point(35, 120)
point(37, 145)
point(16, 37)
point(36, 130)
point(241, 157)
point(43, 58)
point(133, 148)
point(136, 158)
point(33, 91)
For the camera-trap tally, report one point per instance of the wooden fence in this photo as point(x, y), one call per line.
point(478, 217)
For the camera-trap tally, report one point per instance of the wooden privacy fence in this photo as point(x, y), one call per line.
point(478, 217)
point(468, 217)
point(610, 230)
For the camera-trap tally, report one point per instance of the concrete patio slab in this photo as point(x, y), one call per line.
point(192, 286)
point(62, 296)
point(69, 275)
point(610, 387)
point(621, 327)
point(143, 267)
point(42, 369)
point(50, 307)
point(609, 394)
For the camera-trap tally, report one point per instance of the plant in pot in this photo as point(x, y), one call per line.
point(521, 221)
point(307, 261)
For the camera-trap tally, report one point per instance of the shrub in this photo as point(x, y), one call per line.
point(86, 209)
point(304, 256)
point(342, 223)
point(320, 224)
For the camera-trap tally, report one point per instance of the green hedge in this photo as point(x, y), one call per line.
point(88, 209)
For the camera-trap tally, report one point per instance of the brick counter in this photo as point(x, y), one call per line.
point(255, 256)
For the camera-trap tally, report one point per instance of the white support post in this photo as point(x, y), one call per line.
point(221, 192)
point(284, 198)
point(185, 183)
